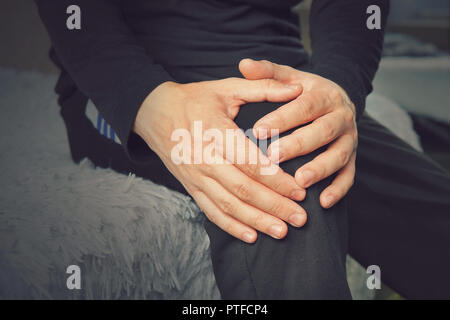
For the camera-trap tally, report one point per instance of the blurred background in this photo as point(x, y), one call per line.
point(411, 97)
point(25, 42)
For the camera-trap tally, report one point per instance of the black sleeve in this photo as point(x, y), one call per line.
point(344, 49)
point(105, 61)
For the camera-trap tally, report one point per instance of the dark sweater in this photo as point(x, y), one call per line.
point(124, 48)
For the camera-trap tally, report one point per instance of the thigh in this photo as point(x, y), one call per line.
point(309, 263)
point(399, 214)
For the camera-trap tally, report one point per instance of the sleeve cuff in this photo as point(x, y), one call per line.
point(134, 92)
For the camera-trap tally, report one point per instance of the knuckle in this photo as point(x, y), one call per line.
point(243, 191)
point(355, 135)
point(228, 227)
point(277, 118)
point(277, 184)
point(343, 156)
point(251, 169)
point(200, 184)
point(335, 96)
point(328, 130)
point(232, 97)
point(276, 207)
point(299, 142)
point(207, 170)
point(267, 83)
point(258, 220)
point(306, 107)
point(320, 171)
point(227, 206)
point(349, 116)
point(195, 190)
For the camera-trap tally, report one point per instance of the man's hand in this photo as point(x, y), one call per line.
point(330, 118)
point(235, 196)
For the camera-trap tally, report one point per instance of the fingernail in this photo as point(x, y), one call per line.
point(306, 177)
point(329, 199)
point(298, 194)
point(297, 219)
point(276, 231)
point(276, 154)
point(248, 237)
point(293, 87)
point(262, 131)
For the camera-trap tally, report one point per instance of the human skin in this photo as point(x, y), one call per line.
point(332, 121)
point(237, 197)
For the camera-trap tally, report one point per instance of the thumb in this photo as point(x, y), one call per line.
point(243, 90)
point(263, 69)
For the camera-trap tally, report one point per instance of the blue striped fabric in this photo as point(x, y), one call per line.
point(104, 128)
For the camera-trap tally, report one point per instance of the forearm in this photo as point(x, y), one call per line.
point(104, 59)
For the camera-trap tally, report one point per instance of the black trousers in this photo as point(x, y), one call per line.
point(396, 216)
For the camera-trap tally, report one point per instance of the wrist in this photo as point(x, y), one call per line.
point(148, 106)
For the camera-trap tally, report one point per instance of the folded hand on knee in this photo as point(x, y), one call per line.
point(236, 196)
point(326, 116)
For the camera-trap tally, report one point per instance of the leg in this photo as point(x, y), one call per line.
point(308, 264)
point(399, 214)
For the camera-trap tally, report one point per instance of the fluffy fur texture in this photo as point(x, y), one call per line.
point(131, 238)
